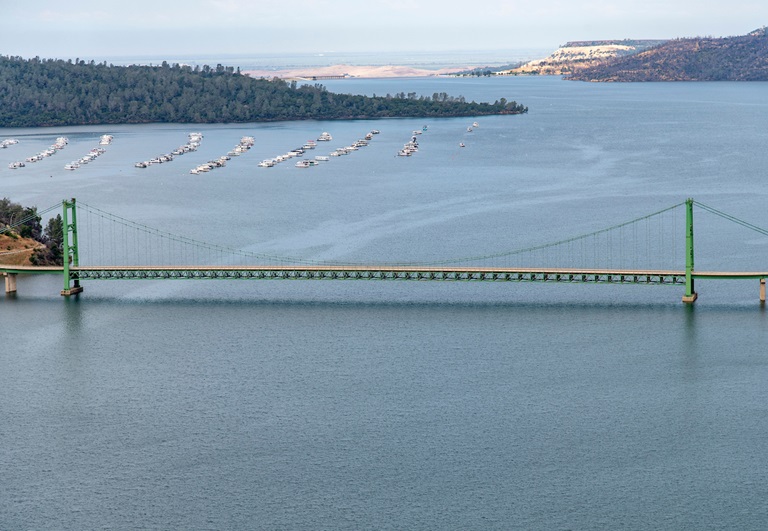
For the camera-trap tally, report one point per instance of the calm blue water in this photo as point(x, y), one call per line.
point(220, 405)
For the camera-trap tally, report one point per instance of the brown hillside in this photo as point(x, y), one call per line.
point(743, 58)
point(16, 251)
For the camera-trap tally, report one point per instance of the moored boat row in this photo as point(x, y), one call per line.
point(269, 163)
point(60, 143)
point(193, 142)
point(354, 146)
point(210, 165)
point(8, 142)
point(297, 152)
point(85, 159)
point(412, 146)
point(243, 146)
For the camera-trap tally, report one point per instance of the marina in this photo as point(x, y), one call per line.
point(217, 161)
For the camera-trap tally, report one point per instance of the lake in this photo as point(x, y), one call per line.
point(348, 405)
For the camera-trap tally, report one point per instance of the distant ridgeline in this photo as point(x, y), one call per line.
point(743, 58)
point(45, 92)
point(637, 45)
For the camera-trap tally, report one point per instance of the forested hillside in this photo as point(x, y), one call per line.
point(24, 241)
point(45, 92)
point(743, 58)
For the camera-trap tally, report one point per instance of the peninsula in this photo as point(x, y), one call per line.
point(53, 92)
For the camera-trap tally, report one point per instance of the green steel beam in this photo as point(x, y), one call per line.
point(70, 253)
point(690, 293)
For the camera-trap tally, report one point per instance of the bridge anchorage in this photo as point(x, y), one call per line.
point(113, 240)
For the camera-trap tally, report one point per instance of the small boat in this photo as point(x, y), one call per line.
point(322, 158)
point(469, 129)
point(461, 144)
point(475, 124)
point(325, 137)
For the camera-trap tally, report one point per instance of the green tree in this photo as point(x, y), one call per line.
point(52, 252)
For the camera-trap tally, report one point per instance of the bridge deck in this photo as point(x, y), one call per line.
point(384, 272)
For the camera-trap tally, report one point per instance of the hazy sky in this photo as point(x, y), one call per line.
point(104, 28)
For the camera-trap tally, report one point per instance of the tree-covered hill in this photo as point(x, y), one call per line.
point(743, 58)
point(45, 92)
point(24, 241)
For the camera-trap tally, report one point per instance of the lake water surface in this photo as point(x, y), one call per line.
point(346, 405)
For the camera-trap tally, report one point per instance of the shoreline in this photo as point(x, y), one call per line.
point(344, 71)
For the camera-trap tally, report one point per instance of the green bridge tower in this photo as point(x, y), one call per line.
point(690, 293)
point(69, 248)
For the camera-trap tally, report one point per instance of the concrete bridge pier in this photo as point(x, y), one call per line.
point(762, 290)
point(10, 282)
point(71, 291)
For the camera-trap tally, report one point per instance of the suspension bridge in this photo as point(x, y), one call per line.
point(656, 249)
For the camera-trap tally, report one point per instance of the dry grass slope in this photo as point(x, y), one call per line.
point(17, 251)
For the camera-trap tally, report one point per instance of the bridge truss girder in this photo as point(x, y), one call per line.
point(336, 273)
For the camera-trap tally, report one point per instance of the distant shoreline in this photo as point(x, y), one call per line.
point(353, 72)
